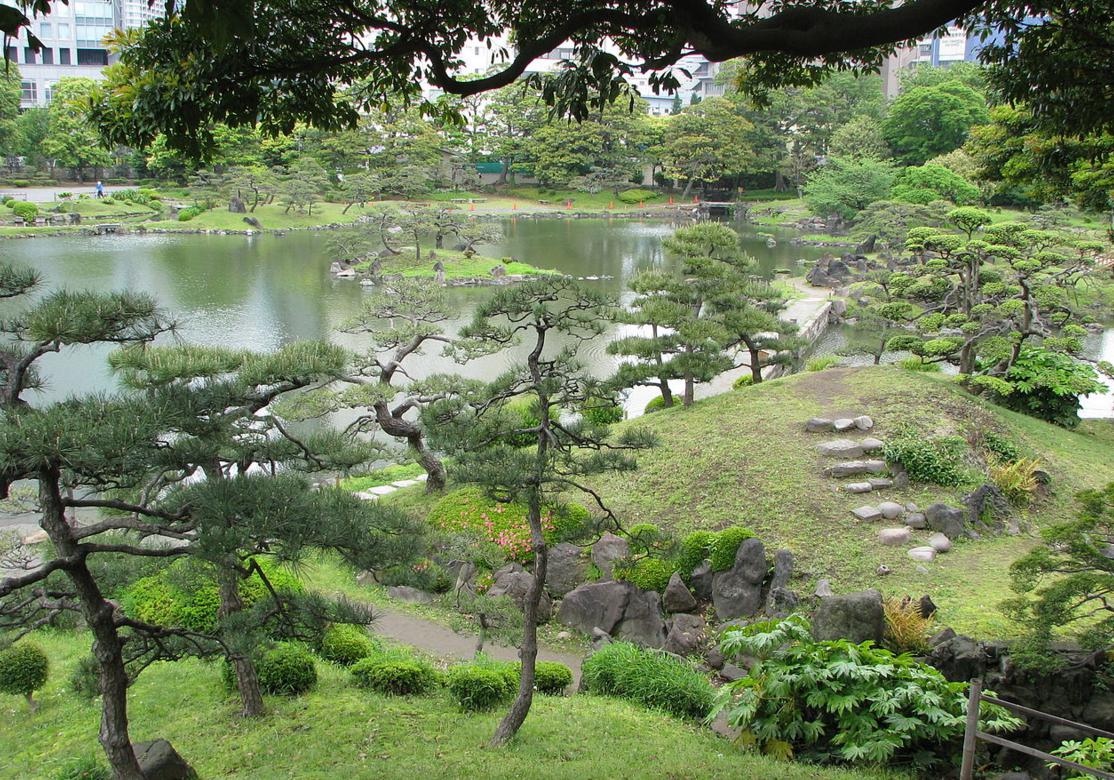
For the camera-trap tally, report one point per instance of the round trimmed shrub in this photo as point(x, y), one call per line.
point(480, 686)
point(636, 195)
point(727, 545)
point(746, 380)
point(24, 668)
point(346, 644)
point(643, 536)
point(85, 679)
point(646, 573)
point(552, 678)
point(27, 211)
point(694, 549)
point(394, 677)
point(287, 669)
point(656, 404)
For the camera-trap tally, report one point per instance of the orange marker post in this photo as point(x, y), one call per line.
point(568, 204)
point(471, 206)
point(670, 200)
point(514, 206)
point(641, 203)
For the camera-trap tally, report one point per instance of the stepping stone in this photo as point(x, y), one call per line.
point(840, 448)
point(863, 423)
point(894, 536)
point(818, 425)
point(405, 483)
point(422, 478)
point(891, 510)
point(916, 520)
point(867, 514)
point(35, 537)
point(924, 554)
point(823, 589)
point(881, 482)
point(870, 444)
point(366, 496)
point(858, 487)
point(939, 543)
point(854, 468)
point(911, 507)
point(843, 424)
point(382, 490)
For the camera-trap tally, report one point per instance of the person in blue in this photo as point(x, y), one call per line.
point(100, 190)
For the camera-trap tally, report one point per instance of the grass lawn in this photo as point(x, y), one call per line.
point(271, 217)
point(779, 212)
point(340, 731)
point(383, 476)
point(744, 458)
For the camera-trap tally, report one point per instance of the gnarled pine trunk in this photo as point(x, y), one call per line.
point(247, 679)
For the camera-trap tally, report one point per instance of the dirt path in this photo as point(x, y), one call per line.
point(446, 643)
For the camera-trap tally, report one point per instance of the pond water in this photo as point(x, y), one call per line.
point(261, 292)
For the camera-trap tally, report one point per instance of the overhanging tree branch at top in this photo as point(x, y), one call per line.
point(276, 63)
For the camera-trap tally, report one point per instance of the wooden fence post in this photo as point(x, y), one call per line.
point(967, 772)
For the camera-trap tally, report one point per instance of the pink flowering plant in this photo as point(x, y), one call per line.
point(470, 510)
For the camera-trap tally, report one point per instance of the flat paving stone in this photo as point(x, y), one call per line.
point(843, 424)
point(405, 483)
point(894, 536)
point(382, 490)
point(840, 448)
point(854, 468)
point(858, 487)
point(367, 496)
point(864, 423)
point(891, 510)
point(916, 520)
point(870, 444)
point(818, 425)
point(867, 513)
point(881, 482)
point(923, 554)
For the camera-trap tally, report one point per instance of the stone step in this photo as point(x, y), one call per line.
point(839, 424)
point(877, 483)
point(854, 468)
point(849, 448)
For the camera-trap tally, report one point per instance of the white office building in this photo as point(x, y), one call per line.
point(73, 43)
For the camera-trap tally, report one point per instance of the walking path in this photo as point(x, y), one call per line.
point(446, 643)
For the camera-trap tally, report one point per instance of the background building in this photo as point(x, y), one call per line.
point(73, 43)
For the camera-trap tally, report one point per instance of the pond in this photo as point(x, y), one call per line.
point(261, 292)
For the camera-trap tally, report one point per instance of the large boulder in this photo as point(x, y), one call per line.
point(780, 600)
point(595, 605)
point(686, 634)
point(945, 519)
point(567, 569)
point(737, 592)
point(642, 621)
point(677, 597)
point(987, 506)
point(960, 658)
point(854, 616)
point(606, 551)
point(158, 760)
point(515, 585)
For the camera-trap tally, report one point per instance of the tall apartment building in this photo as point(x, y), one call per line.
point(73, 43)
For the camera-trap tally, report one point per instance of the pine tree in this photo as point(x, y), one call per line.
point(480, 427)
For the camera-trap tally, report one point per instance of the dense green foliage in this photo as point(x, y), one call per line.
point(394, 676)
point(726, 545)
point(482, 684)
point(23, 669)
point(346, 644)
point(839, 701)
point(935, 460)
point(646, 573)
point(552, 678)
point(846, 186)
point(286, 669)
point(650, 677)
point(1046, 384)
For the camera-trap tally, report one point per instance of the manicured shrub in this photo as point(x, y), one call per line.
point(745, 380)
point(821, 363)
point(471, 510)
point(636, 195)
point(188, 213)
point(482, 684)
point(603, 411)
point(552, 678)
point(872, 707)
point(644, 537)
point(916, 364)
point(346, 644)
point(649, 677)
point(286, 669)
point(646, 573)
point(23, 670)
point(186, 594)
point(424, 575)
point(26, 211)
point(939, 460)
point(85, 679)
point(727, 545)
point(394, 676)
point(87, 768)
point(694, 549)
point(657, 403)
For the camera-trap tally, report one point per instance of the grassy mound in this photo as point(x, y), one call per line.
point(457, 265)
point(743, 458)
point(340, 730)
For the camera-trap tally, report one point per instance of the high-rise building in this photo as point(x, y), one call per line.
point(73, 43)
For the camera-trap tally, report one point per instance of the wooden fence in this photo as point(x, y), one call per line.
point(972, 735)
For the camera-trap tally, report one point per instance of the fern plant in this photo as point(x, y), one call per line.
point(837, 701)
